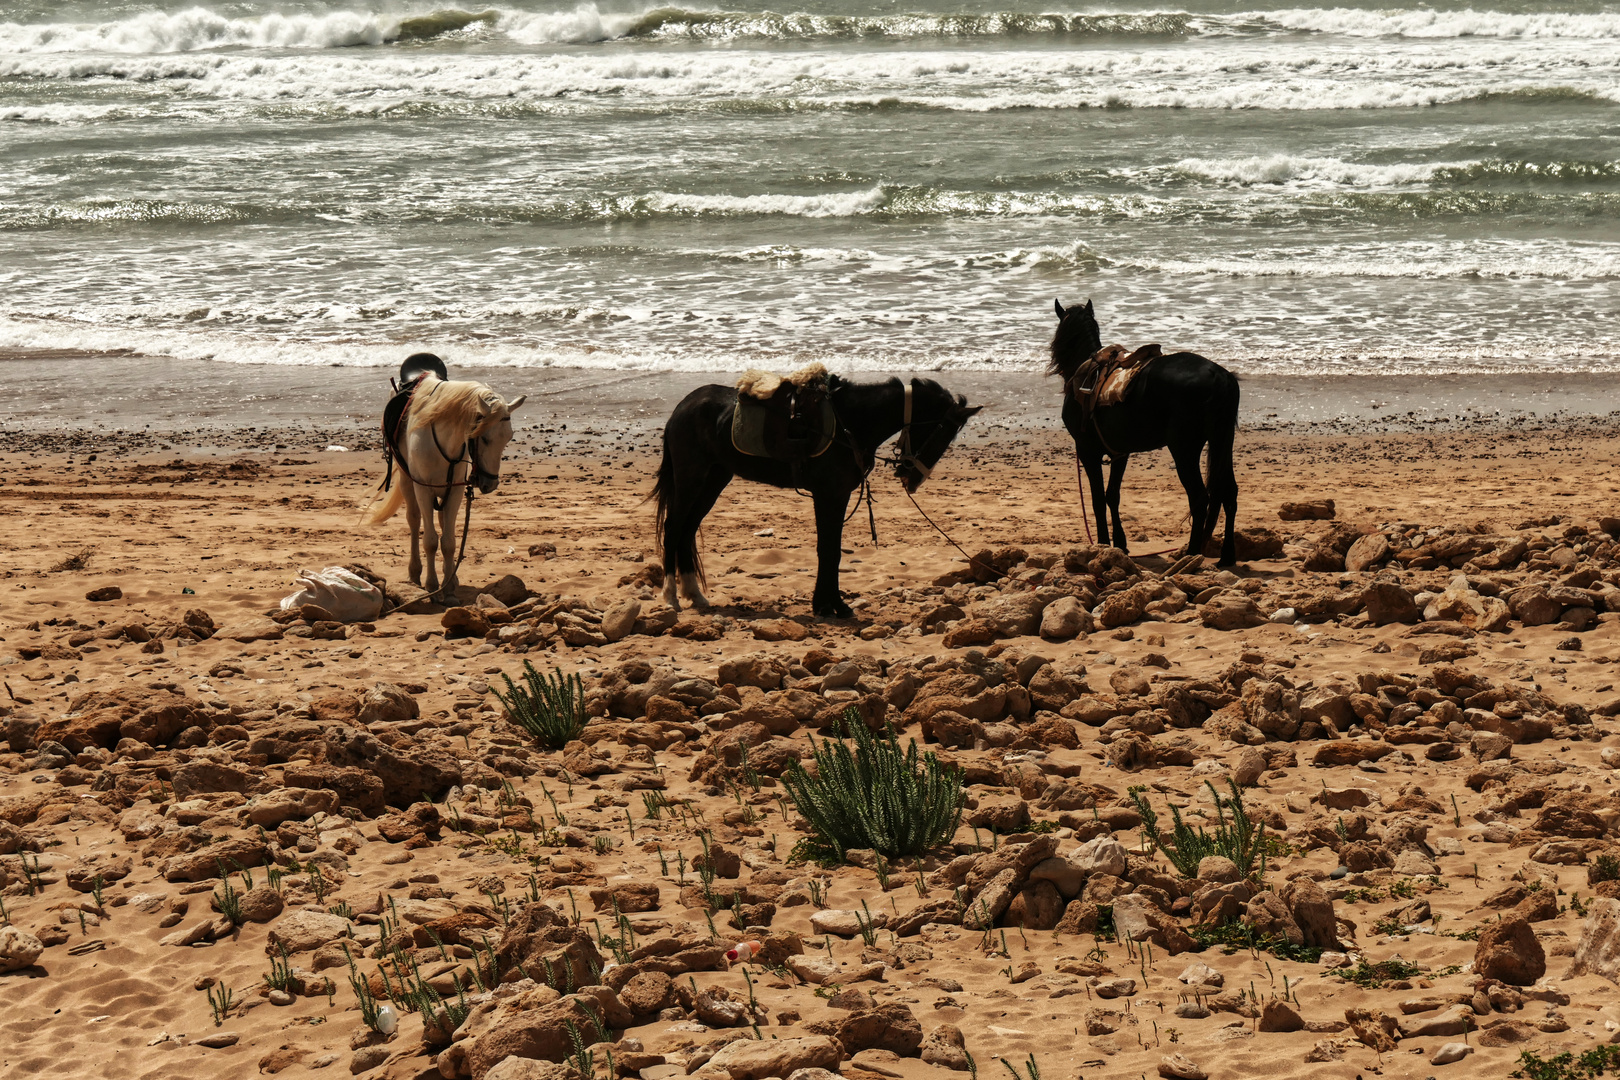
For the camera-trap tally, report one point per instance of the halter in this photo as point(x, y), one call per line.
point(907, 455)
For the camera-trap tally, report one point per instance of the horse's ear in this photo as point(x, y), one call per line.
point(511, 406)
point(1089, 309)
point(971, 411)
point(1057, 306)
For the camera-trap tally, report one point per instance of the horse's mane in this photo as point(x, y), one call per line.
point(1068, 350)
point(465, 405)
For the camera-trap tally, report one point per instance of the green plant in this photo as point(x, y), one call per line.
point(342, 910)
point(879, 796)
point(95, 891)
point(654, 802)
point(1241, 839)
point(1233, 937)
point(1030, 1067)
point(601, 843)
point(281, 973)
point(220, 1004)
point(1370, 976)
point(318, 882)
point(583, 1059)
point(1598, 1061)
point(229, 902)
point(868, 932)
point(551, 708)
point(1603, 868)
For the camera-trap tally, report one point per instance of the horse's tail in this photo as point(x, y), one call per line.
point(662, 489)
point(375, 513)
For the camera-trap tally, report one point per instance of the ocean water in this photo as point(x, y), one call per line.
point(1414, 188)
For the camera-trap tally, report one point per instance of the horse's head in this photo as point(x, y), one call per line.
point(936, 419)
point(1076, 340)
point(491, 431)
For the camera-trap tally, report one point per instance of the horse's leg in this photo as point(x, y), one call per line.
point(413, 520)
point(701, 495)
point(1192, 481)
point(1099, 499)
point(830, 509)
point(1223, 489)
point(430, 539)
point(447, 538)
point(1116, 475)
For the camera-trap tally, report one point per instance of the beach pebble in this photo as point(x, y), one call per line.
point(219, 1039)
point(1450, 1052)
point(1181, 1067)
point(18, 948)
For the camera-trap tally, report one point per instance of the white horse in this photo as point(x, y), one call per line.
point(455, 434)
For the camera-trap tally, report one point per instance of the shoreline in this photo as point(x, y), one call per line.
point(49, 392)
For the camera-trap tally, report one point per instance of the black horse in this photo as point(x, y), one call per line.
point(1181, 400)
point(700, 460)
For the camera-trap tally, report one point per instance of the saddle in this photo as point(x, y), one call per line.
point(1104, 378)
point(786, 418)
point(393, 421)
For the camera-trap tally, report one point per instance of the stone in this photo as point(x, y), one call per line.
point(386, 703)
point(1181, 1067)
point(1598, 951)
point(306, 931)
point(1201, 976)
point(619, 621)
point(18, 948)
point(1268, 914)
point(1457, 1020)
point(1064, 619)
point(539, 1033)
point(751, 1059)
point(1136, 918)
point(1312, 911)
point(206, 863)
point(887, 1027)
point(1349, 752)
point(1248, 766)
point(1063, 874)
point(1037, 906)
point(1509, 952)
point(1533, 606)
point(1386, 602)
point(103, 594)
point(209, 777)
point(1231, 611)
point(1278, 1015)
point(254, 628)
point(648, 993)
point(508, 589)
point(521, 1068)
point(1490, 746)
point(1102, 855)
point(1367, 552)
point(290, 804)
point(1308, 510)
point(944, 1045)
point(1271, 708)
point(541, 942)
point(1374, 1028)
point(991, 902)
point(464, 622)
point(261, 904)
point(1450, 1052)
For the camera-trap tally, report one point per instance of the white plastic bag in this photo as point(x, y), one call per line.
point(349, 597)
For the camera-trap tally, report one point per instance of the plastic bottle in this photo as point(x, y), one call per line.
point(742, 951)
point(387, 1019)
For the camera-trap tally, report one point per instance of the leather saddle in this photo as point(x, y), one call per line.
point(1105, 377)
point(786, 418)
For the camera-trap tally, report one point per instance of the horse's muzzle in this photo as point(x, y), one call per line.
point(488, 484)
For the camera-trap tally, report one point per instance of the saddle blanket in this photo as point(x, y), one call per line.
point(784, 417)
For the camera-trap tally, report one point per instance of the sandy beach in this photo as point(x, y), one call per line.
point(1429, 738)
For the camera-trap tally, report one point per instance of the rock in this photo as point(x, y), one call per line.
point(1457, 1020)
point(255, 628)
point(408, 770)
point(1312, 912)
point(219, 1040)
point(103, 594)
point(619, 620)
point(1312, 510)
point(1064, 619)
point(630, 897)
point(518, 1029)
point(1533, 606)
point(1218, 868)
point(1385, 603)
point(1598, 951)
point(1037, 906)
point(1349, 752)
point(386, 703)
point(887, 1027)
point(1248, 766)
point(508, 589)
point(464, 622)
point(1367, 552)
point(520, 1068)
point(1271, 708)
point(290, 804)
point(1100, 856)
point(208, 777)
point(1181, 1067)
point(306, 931)
point(206, 863)
point(944, 1045)
point(648, 993)
point(261, 904)
point(1231, 611)
point(1509, 952)
point(1062, 873)
point(1450, 1052)
point(18, 948)
point(540, 941)
point(1269, 915)
point(1490, 746)
point(1278, 1015)
point(751, 1059)
point(1201, 976)
point(1136, 918)
point(1374, 1028)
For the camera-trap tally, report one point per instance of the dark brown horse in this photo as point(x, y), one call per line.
point(700, 460)
point(1181, 401)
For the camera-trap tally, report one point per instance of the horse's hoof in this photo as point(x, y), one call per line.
point(840, 610)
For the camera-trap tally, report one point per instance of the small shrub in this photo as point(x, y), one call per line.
point(1599, 1061)
point(1241, 839)
point(878, 796)
point(551, 708)
point(1603, 868)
